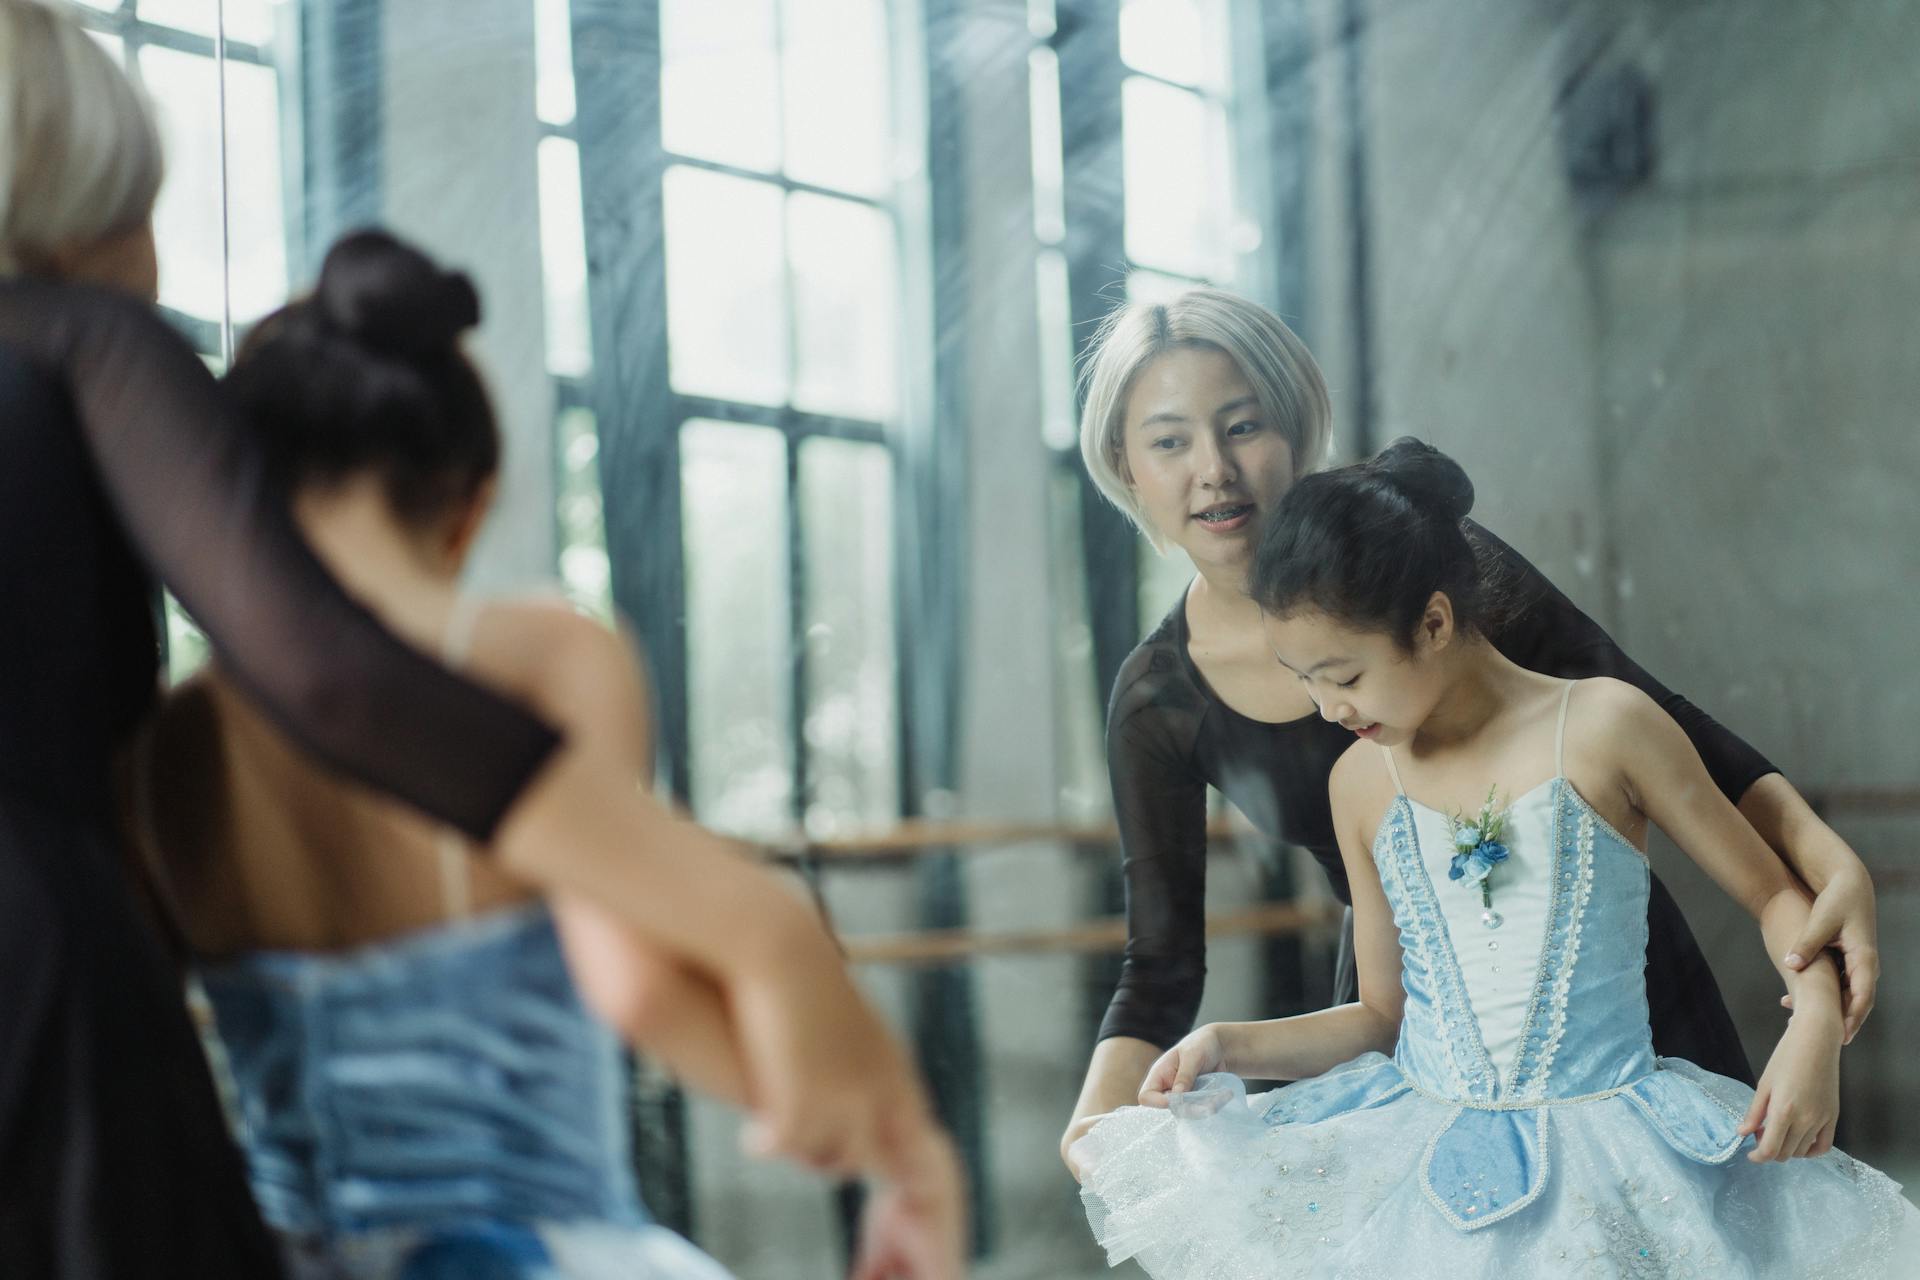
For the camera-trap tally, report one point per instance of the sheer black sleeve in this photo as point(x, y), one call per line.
point(188, 488)
point(1161, 805)
point(1547, 632)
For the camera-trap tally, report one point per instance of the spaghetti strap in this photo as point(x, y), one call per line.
point(1560, 733)
point(1393, 769)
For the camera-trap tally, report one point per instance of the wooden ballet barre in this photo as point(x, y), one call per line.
point(916, 838)
point(945, 946)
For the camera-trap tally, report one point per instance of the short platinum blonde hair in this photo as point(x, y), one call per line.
point(80, 158)
point(1282, 372)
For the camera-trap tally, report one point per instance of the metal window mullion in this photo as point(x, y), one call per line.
point(789, 186)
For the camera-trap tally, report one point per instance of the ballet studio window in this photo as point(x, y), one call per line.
point(1159, 74)
point(580, 522)
point(782, 309)
point(220, 225)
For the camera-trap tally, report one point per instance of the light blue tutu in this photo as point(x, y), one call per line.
point(1523, 1127)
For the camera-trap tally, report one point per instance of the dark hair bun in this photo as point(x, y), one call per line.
point(1429, 478)
point(393, 299)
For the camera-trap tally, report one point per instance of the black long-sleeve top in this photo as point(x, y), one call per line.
point(1169, 737)
point(119, 466)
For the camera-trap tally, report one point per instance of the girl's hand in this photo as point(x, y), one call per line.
point(1844, 917)
point(1798, 1101)
point(1177, 1069)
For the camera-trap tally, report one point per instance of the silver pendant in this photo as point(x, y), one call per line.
point(1492, 919)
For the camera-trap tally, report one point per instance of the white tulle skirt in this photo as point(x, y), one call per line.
point(1228, 1187)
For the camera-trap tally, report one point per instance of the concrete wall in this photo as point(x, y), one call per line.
point(1694, 407)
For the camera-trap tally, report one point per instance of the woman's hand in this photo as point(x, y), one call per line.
point(1200, 1052)
point(1844, 916)
point(1798, 1100)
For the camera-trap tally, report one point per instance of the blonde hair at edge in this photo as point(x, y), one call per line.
point(80, 159)
point(1278, 366)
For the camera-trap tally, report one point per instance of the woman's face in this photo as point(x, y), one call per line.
point(1205, 461)
point(1362, 680)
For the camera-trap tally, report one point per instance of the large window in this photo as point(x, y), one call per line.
point(222, 225)
point(1183, 220)
point(782, 309)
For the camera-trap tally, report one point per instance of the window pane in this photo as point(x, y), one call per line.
point(1049, 158)
point(720, 82)
point(846, 510)
point(1178, 195)
point(116, 47)
point(838, 95)
point(1078, 700)
point(1057, 423)
point(248, 21)
point(846, 308)
point(186, 223)
point(1153, 286)
point(187, 646)
point(553, 60)
point(1173, 39)
point(563, 258)
point(583, 527)
point(256, 189)
point(1163, 579)
point(106, 6)
point(739, 650)
point(726, 286)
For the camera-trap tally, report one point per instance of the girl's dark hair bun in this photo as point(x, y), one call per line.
point(392, 299)
point(1429, 478)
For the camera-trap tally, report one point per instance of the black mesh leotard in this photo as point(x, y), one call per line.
point(120, 466)
point(1169, 737)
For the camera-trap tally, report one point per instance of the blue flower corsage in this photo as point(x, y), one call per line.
point(1478, 850)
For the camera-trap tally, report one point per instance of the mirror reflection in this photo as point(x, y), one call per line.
point(791, 314)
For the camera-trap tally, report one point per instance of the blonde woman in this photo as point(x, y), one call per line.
point(123, 468)
point(1200, 413)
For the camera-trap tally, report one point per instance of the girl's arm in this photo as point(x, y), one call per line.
point(1312, 1043)
point(829, 1086)
point(673, 1013)
point(1797, 1102)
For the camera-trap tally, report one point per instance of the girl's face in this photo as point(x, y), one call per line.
point(1363, 680)
point(1205, 461)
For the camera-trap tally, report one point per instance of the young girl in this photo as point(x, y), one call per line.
point(1201, 411)
point(1493, 823)
point(421, 1088)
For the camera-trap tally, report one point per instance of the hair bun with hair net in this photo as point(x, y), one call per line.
point(1428, 477)
point(393, 299)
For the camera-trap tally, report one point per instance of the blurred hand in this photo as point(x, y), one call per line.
point(831, 1089)
point(1177, 1069)
point(916, 1229)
